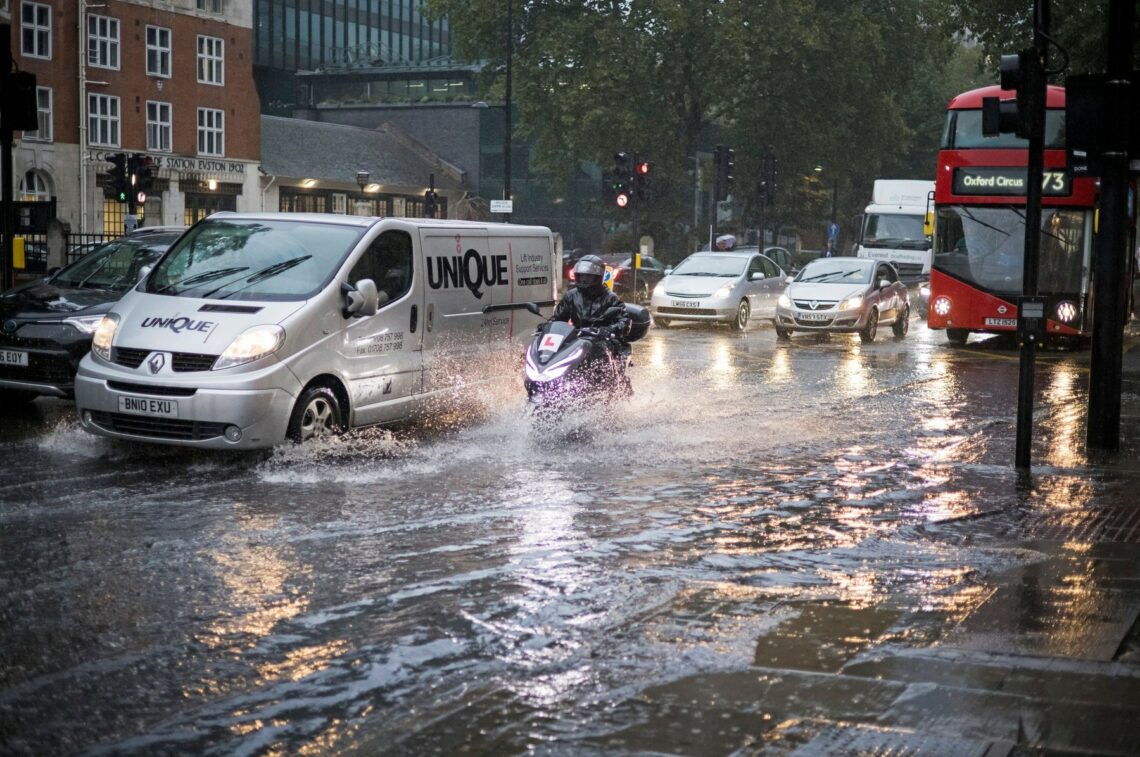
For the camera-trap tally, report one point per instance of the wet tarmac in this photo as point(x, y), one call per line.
point(814, 548)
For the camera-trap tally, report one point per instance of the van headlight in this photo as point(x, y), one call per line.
point(252, 344)
point(104, 334)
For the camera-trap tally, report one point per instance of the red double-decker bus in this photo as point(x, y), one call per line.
point(979, 233)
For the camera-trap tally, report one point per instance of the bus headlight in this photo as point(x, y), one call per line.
point(104, 333)
point(252, 344)
point(1066, 311)
point(941, 306)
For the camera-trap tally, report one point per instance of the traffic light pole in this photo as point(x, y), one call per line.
point(7, 219)
point(1110, 267)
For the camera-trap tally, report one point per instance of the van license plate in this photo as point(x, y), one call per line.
point(1001, 322)
point(148, 406)
point(686, 304)
point(14, 357)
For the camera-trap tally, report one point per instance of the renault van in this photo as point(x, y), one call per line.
point(257, 328)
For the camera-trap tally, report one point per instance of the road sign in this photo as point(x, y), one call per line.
point(833, 231)
point(502, 206)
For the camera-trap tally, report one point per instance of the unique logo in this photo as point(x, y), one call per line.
point(178, 325)
point(156, 361)
point(470, 270)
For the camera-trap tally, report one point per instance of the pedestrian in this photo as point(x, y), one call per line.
point(726, 243)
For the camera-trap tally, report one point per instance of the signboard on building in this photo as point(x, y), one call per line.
point(502, 206)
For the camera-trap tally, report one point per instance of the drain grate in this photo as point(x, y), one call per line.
point(1120, 525)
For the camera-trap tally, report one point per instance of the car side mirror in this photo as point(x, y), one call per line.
point(789, 280)
point(669, 269)
point(883, 283)
point(756, 276)
point(362, 300)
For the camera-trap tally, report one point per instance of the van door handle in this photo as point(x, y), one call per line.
point(414, 318)
point(430, 314)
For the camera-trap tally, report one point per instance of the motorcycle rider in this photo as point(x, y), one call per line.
point(590, 301)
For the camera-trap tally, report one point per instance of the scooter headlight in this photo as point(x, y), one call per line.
point(252, 344)
point(104, 334)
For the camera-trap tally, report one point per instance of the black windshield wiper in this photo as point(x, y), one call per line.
point(265, 273)
point(201, 278)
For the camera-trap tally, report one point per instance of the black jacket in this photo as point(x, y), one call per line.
point(584, 309)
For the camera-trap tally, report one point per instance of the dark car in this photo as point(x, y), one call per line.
point(46, 325)
point(649, 273)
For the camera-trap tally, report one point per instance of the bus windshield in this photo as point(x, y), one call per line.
point(964, 132)
point(986, 247)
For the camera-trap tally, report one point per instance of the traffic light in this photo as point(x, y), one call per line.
point(766, 184)
point(431, 203)
point(641, 184)
point(622, 179)
point(140, 170)
point(119, 184)
point(1024, 74)
point(724, 166)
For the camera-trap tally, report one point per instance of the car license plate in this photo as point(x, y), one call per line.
point(686, 304)
point(1001, 322)
point(814, 316)
point(149, 406)
point(14, 357)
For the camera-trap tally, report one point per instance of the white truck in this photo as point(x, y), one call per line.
point(897, 226)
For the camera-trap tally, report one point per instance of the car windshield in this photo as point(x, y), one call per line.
point(833, 270)
point(710, 265)
point(618, 261)
point(253, 259)
point(114, 266)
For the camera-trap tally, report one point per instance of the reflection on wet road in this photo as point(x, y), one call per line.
point(486, 586)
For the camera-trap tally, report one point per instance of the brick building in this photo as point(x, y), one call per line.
point(168, 79)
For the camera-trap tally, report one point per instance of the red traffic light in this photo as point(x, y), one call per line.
point(622, 199)
point(642, 168)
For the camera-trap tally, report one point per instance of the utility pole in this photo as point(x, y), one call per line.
point(1110, 267)
point(7, 221)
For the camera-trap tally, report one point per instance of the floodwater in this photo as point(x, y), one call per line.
point(473, 585)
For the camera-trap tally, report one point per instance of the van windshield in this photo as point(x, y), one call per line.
point(256, 259)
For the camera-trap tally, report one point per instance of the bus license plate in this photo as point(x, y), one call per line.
point(14, 357)
point(1012, 322)
point(686, 304)
point(148, 406)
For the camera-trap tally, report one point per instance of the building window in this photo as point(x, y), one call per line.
point(212, 6)
point(211, 60)
point(43, 106)
point(103, 41)
point(158, 51)
point(34, 188)
point(211, 132)
point(103, 120)
point(158, 126)
point(35, 30)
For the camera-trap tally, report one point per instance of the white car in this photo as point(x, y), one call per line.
point(725, 287)
point(845, 295)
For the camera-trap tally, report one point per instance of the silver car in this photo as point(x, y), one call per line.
point(844, 295)
point(727, 287)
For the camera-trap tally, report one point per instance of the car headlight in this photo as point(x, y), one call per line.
point(660, 288)
point(84, 323)
point(924, 290)
point(104, 334)
point(852, 303)
point(724, 291)
point(784, 301)
point(252, 344)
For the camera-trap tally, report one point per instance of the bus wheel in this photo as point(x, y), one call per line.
point(317, 413)
point(957, 337)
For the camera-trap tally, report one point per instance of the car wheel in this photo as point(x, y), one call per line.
point(742, 313)
point(872, 327)
point(663, 322)
point(642, 297)
point(957, 337)
point(902, 323)
point(317, 413)
point(782, 334)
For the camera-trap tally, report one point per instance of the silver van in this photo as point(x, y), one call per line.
point(257, 328)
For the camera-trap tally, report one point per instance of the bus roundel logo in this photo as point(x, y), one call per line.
point(1001, 309)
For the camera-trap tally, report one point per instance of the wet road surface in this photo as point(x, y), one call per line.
point(772, 547)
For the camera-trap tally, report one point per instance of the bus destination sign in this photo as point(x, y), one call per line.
point(1007, 181)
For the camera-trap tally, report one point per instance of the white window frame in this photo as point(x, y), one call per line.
point(159, 126)
point(211, 60)
point(44, 113)
point(211, 132)
point(210, 6)
point(41, 33)
point(102, 41)
point(161, 53)
point(38, 192)
point(103, 120)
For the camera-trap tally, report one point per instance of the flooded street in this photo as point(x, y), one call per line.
point(675, 574)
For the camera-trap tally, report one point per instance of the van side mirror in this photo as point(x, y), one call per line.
point(146, 269)
point(361, 300)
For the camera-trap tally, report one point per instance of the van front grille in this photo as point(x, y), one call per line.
point(181, 362)
point(157, 428)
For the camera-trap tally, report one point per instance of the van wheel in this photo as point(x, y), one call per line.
point(902, 322)
point(317, 413)
point(872, 327)
point(742, 313)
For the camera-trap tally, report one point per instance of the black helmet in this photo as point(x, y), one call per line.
point(589, 272)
